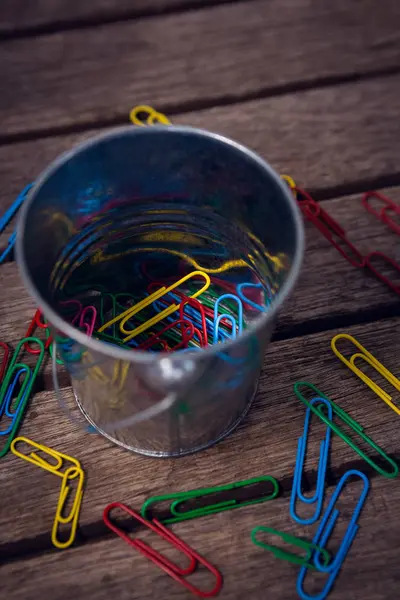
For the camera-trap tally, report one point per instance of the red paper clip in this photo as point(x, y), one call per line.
point(156, 338)
point(330, 228)
point(198, 305)
point(389, 221)
point(308, 206)
point(32, 326)
point(39, 322)
point(378, 274)
point(162, 562)
point(382, 215)
point(4, 362)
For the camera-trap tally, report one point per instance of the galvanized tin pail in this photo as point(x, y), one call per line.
point(181, 191)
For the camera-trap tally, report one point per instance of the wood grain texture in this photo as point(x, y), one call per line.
point(265, 443)
point(329, 288)
point(18, 16)
point(110, 568)
point(207, 56)
point(324, 138)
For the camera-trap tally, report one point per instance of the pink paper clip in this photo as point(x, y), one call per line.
point(89, 322)
point(76, 303)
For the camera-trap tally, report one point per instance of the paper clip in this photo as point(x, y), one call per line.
point(218, 318)
point(158, 559)
point(128, 314)
point(51, 348)
point(4, 362)
point(291, 557)
point(16, 205)
point(6, 406)
point(90, 321)
point(152, 116)
point(356, 427)
point(382, 215)
point(194, 303)
point(191, 312)
point(378, 274)
point(308, 206)
point(296, 494)
point(9, 247)
point(291, 183)
point(73, 517)
point(39, 461)
point(325, 530)
point(244, 299)
point(363, 354)
point(32, 326)
point(330, 228)
point(72, 303)
point(187, 329)
point(178, 498)
point(24, 392)
point(395, 227)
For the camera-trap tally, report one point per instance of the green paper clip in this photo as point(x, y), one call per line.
point(304, 561)
point(25, 390)
point(354, 425)
point(178, 498)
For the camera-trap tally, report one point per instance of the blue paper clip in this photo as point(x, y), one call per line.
point(245, 300)
point(10, 246)
point(15, 206)
point(218, 318)
point(5, 407)
point(318, 497)
point(323, 533)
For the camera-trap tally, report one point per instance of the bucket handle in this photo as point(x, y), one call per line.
point(144, 415)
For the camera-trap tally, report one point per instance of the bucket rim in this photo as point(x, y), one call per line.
point(114, 351)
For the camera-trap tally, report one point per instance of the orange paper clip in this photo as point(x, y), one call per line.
point(162, 562)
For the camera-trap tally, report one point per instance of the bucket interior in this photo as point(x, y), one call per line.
point(137, 210)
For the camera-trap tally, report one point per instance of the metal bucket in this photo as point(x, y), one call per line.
point(171, 191)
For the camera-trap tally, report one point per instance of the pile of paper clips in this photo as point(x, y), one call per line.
point(210, 319)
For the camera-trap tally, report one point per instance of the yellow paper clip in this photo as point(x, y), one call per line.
point(73, 515)
point(291, 183)
point(152, 116)
point(38, 461)
point(133, 310)
point(116, 382)
point(373, 362)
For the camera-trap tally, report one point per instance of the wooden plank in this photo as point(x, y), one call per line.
point(18, 16)
point(353, 143)
point(110, 567)
point(329, 287)
point(265, 443)
point(220, 54)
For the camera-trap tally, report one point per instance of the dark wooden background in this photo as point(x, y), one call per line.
point(314, 87)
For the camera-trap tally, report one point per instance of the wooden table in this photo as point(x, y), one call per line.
point(314, 87)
